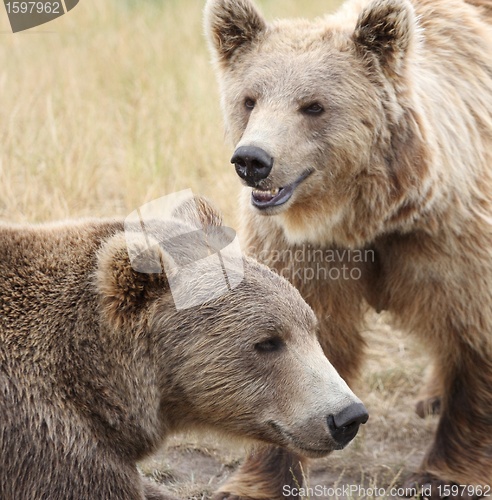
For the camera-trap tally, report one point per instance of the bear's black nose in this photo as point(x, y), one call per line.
point(252, 164)
point(344, 425)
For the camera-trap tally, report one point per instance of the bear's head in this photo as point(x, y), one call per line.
point(328, 135)
point(246, 362)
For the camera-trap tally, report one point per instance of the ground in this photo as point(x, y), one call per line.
point(387, 448)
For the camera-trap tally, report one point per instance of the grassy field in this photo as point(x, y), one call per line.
point(112, 105)
point(115, 104)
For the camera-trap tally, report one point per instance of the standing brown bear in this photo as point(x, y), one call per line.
point(98, 365)
point(371, 129)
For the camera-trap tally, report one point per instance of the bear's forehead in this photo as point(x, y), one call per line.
point(284, 299)
point(324, 63)
point(303, 36)
point(296, 75)
point(298, 54)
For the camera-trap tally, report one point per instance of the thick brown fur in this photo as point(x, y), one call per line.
point(98, 366)
point(400, 163)
point(266, 469)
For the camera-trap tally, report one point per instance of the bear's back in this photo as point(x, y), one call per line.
point(46, 280)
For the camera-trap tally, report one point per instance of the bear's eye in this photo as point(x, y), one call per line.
point(313, 109)
point(249, 103)
point(270, 345)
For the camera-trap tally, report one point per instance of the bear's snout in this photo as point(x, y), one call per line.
point(252, 163)
point(345, 425)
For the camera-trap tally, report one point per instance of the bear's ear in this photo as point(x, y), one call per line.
point(198, 212)
point(387, 29)
point(231, 25)
point(127, 285)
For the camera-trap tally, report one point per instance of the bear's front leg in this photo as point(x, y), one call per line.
point(268, 473)
point(429, 401)
point(459, 464)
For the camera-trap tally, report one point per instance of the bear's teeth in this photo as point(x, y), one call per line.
point(266, 193)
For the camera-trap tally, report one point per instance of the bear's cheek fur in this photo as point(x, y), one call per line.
point(221, 365)
point(218, 364)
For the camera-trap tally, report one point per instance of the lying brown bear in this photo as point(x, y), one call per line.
point(98, 365)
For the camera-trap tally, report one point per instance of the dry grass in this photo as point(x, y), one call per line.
point(110, 106)
point(114, 107)
point(115, 104)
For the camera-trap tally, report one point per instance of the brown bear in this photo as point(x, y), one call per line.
point(369, 132)
point(98, 365)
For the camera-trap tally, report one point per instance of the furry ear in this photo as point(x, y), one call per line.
point(198, 212)
point(128, 285)
point(231, 25)
point(387, 28)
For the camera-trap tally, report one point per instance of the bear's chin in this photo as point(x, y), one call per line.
point(297, 445)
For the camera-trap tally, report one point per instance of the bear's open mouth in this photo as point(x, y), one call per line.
point(275, 197)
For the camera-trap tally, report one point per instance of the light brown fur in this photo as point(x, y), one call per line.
point(98, 367)
point(401, 165)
